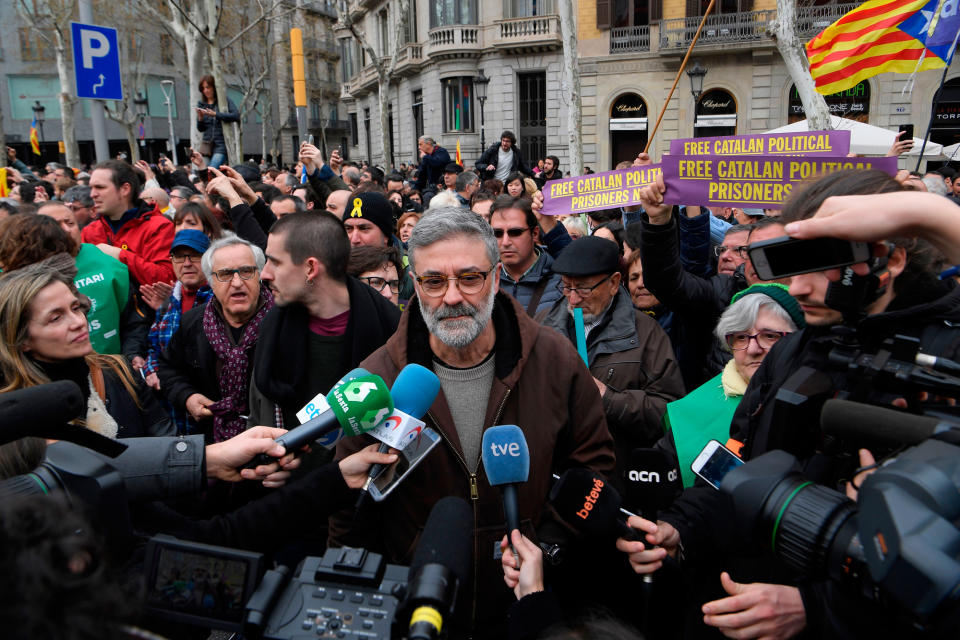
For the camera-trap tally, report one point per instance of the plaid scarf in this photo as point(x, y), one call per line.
point(235, 367)
point(162, 330)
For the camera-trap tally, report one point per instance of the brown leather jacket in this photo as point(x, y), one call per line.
point(541, 385)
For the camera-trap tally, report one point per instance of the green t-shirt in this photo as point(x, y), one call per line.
point(106, 281)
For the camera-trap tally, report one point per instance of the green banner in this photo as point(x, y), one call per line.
point(361, 404)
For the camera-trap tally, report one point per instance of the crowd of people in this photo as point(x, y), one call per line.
point(212, 302)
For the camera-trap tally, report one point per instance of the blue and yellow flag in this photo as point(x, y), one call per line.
point(34, 139)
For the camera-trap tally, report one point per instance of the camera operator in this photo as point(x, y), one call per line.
point(912, 302)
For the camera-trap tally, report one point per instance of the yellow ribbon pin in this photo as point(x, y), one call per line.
point(357, 210)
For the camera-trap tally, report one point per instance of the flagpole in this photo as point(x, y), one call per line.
point(683, 64)
point(936, 99)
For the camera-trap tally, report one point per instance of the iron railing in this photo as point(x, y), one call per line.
point(624, 39)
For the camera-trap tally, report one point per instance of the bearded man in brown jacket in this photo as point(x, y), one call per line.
point(496, 366)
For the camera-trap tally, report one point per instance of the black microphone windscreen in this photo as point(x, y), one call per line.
point(860, 422)
point(587, 502)
point(651, 480)
point(447, 538)
point(40, 411)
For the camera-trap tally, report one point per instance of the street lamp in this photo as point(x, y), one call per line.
point(140, 103)
point(696, 74)
point(167, 87)
point(480, 87)
point(38, 113)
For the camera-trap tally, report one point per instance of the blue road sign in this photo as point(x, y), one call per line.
point(96, 62)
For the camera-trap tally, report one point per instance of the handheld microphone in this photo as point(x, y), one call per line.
point(440, 566)
point(869, 423)
point(589, 503)
point(651, 482)
point(319, 404)
point(44, 411)
point(413, 392)
point(506, 461)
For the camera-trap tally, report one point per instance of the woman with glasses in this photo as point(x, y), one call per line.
point(377, 267)
point(205, 368)
point(756, 319)
point(191, 290)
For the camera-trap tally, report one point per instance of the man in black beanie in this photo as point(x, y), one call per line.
point(368, 219)
point(629, 355)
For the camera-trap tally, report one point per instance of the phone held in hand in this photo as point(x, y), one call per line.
point(785, 256)
point(714, 462)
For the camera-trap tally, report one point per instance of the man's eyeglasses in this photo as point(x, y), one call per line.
point(515, 232)
point(226, 275)
point(583, 292)
point(379, 283)
point(741, 251)
point(765, 339)
point(469, 282)
point(175, 259)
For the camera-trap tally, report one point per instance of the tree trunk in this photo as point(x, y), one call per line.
point(67, 102)
point(571, 86)
point(131, 132)
point(783, 29)
point(383, 97)
point(3, 140)
point(193, 50)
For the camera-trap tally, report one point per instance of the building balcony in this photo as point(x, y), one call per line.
point(410, 60)
point(629, 39)
point(363, 82)
point(327, 48)
point(814, 19)
point(526, 35)
point(455, 41)
point(326, 8)
point(722, 29)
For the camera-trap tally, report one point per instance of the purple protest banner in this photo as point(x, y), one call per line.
point(805, 143)
point(763, 182)
point(597, 191)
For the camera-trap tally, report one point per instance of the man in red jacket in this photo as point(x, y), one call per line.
point(128, 229)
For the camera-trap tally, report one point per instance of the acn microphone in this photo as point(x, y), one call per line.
point(440, 567)
point(506, 461)
point(651, 482)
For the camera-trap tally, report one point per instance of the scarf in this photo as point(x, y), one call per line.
point(235, 366)
point(733, 383)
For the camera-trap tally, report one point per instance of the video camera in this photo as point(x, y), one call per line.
point(899, 542)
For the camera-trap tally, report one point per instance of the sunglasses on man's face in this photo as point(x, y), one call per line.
point(515, 232)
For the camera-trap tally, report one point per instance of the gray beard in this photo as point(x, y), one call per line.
point(458, 334)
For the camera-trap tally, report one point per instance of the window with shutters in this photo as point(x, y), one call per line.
point(166, 49)
point(634, 13)
point(697, 7)
point(33, 48)
point(457, 104)
point(528, 8)
point(449, 12)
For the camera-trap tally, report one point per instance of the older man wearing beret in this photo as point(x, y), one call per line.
point(629, 355)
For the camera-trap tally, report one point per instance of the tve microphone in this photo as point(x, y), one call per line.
point(589, 503)
point(440, 567)
point(413, 392)
point(355, 406)
point(860, 422)
point(44, 411)
point(506, 461)
point(651, 482)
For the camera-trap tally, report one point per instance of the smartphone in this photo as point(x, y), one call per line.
point(908, 129)
point(785, 256)
point(410, 456)
point(714, 462)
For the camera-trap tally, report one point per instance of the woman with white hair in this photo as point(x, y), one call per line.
point(756, 319)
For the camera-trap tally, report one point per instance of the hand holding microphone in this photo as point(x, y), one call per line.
point(529, 577)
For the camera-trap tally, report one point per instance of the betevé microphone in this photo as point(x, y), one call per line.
point(441, 565)
point(589, 503)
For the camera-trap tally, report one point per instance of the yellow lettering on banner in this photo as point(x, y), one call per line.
point(597, 200)
point(800, 144)
point(642, 176)
point(745, 192)
point(560, 189)
point(696, 148)
point(749, 170)
point(736, 146)
point(696, 169)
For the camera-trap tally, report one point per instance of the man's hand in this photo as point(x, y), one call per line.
point(311, 157)
point(13, 174)
point(355, 467)
point(239, 184)
point(602, 388)
point(663, 536)
point(40, 195)
point(756, 610)
point(156, 294)
point(153, 381)
point(224, 459)
point(866, 460)
point(11, 154)
point(529, 577)
point(197, 406)
point(224, 186)
point(147, 171)
point(652, 199)
point(900, 146)
point(642, 159)
point(197, 160)
point(490, 167)
point(336, 161)
point(109, 249)
point(138, 363)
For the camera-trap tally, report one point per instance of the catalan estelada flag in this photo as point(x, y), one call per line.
point(881, 36)
point(34, 139)
point(459, 159)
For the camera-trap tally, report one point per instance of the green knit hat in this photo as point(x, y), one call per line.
point(781, 295)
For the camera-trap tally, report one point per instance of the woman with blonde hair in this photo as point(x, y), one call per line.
point(46, 338)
